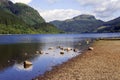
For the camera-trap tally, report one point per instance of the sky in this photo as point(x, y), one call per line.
point(65, 9)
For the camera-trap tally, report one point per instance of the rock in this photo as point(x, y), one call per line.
point(90, 48)
point(8, 61)
point(87, 42)
point(27, 63)
point(35, 79)
point(37, 52)
point(62, 52)
point(75, 50)
point(41, 52)
point(46, 53)
point(51, 48)
point(26, 54)
point(62, 48)
point(58, 47)
point(79, 44)
point(68, 49)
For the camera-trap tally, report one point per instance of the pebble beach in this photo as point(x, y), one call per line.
point(101, 63)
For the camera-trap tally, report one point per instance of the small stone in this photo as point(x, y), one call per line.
point(75, 50)
point(27, 63)
point(58, 47)
point(46, 53)
point(8, 61)
point(62, 52)
point(37, 52)
point(79, 44)
point(90, 48)
point(41, 52)
point(62, 48)
point(68, 49)
point(51, 48)
point(26, 54)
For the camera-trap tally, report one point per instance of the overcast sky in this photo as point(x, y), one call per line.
point(64, 9)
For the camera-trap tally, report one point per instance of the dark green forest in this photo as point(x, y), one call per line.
point(20, 18)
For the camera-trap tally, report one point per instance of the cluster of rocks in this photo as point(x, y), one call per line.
point(62, 51)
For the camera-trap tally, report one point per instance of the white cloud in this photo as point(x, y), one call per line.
point(52, 1)
point(22, 1)
point(59, 14)
point(89, 2)
point(104, 9)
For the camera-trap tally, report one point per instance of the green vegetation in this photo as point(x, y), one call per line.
point(21, 19)
point(28, 14)
point(18, 29)
point(47, 28)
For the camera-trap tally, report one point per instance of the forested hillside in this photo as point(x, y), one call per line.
point(20, 18)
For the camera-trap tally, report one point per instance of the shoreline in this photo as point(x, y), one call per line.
point(100, 64)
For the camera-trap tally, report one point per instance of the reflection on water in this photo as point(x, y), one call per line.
point(15, 49)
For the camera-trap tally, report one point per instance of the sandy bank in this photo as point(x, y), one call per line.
point(103, 63)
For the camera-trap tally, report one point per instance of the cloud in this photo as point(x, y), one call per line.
point(22, 1)
point(104, 9)
point(89, 2)
point(52, 1)
point(59, 14)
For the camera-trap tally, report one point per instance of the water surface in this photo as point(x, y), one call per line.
point(15, 49)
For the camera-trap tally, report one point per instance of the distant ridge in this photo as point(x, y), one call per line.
point(80, 24)
point(110, 26)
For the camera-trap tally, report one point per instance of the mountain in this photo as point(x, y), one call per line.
point(20, 18)
point(23, 11)
point(110, 26)
point(28, 14)
point(79, 24)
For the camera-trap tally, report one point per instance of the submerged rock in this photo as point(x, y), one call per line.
point(37, 52)
point(79, 43)
point(46, 53)
point(51, 48)
point(62, 48)
point(58, 47)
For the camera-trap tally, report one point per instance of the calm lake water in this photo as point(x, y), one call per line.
point(15, 49)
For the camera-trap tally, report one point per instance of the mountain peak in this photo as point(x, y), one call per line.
point(85, 17)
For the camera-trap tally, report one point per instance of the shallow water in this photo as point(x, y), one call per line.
point(15, 49)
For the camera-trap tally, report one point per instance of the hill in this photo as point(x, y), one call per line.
point(80, 24)
point(110, 26)
point(20, 18)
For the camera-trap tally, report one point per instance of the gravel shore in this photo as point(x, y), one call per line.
point(103, 63)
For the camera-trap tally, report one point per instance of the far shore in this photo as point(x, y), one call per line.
point(101, 63)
